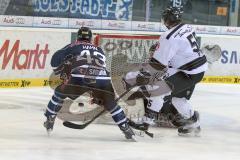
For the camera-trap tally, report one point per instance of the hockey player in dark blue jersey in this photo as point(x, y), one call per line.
point(86, 68)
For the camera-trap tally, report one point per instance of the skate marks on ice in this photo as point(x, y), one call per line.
point(23, 136)
point(34, 98)
point(105, 142)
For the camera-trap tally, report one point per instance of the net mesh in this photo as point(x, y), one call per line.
point(121, 53)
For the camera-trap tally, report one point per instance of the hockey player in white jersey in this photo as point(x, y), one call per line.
point(179, 57)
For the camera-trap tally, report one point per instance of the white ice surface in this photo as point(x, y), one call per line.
point(22, 136)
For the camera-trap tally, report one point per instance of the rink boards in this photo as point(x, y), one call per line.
point(25, 55)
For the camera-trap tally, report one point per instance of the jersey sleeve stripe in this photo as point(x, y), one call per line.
point(156, 64)
point(194, 64)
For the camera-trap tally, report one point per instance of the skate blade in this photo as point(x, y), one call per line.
point(139, 133)
point(133, 139)
point(49, 131)
point(194, 133)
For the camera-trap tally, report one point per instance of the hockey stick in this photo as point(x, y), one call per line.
point(131, 123)
point(82, 126)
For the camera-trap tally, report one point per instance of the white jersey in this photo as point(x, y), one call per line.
point(179, 50)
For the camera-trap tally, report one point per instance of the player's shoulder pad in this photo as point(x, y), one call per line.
point(59, 56)
point(171, 32)
point(60, 51)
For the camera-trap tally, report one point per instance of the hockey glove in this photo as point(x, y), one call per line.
point(67, 68)
point(143, 78)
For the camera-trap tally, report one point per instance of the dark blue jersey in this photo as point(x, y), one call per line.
point(87, 61)
point(80, 50)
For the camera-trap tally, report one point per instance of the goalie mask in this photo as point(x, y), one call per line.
point(84, 34)
point(172, 16)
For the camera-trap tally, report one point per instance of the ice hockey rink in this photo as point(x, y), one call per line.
point(23, 137)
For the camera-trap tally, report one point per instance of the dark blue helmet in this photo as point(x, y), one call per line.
point(84, 33)
point(172, 14)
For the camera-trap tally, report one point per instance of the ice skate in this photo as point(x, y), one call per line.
point(191, 127)
point(142, 126)
point(49, 123)
point(128, 132)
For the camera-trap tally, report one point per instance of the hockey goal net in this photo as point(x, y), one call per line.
point(120, 49)
point(135, 47)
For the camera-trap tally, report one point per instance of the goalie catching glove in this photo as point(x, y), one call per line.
point(212, 52)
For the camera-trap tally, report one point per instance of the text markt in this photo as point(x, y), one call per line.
point(23, 58)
